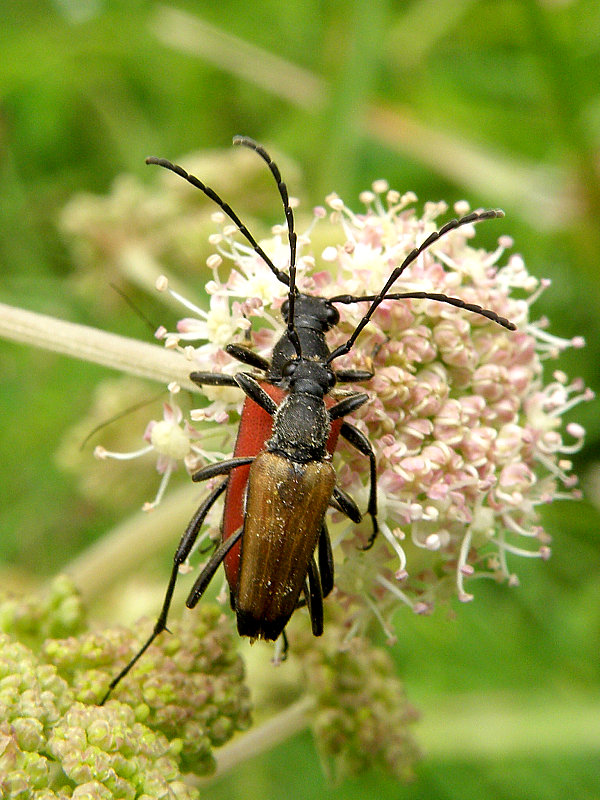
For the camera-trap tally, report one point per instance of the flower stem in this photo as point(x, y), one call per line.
point(90, 344)
point(263, 737)
point(513, 726)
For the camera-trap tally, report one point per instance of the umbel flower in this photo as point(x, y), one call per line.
point(56, 742)
point(469, 438)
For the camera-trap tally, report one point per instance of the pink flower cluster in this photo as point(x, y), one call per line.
point(468, 437)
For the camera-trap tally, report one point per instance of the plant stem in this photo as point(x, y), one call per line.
point(263, 737)
point(504, 726)
point(90, 344)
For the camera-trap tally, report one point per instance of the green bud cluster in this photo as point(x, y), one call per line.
point(362, 717)
point(51, 615)
point(186, 696)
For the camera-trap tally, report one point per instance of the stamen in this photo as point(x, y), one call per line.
point(101, 453)
point(161, 490)
point(391, 587)
point(389, 634)
point(461, 570)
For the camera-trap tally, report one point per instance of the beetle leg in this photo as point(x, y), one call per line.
point(281, 649)
point(347, 405)
point(220, 468)
point(325, 558)
point(211, 567)
point(314, 597)
point(358, 440)
point(353, 375)
point(239, 352)
point(255, 392)
point(247, 356)
point(212, 379)
point(185, 545)
point(191, 532)
point(344, 503)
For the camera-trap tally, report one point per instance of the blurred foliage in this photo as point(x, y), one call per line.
point(495, 102)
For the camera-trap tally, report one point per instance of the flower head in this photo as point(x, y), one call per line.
point(361, 720)
point(56, 742)
point(467, 435)
point(466, 428)
point(170, 439)
point(469, 438)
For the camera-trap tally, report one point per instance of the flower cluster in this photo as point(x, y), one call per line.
point(171, 439)
point(469, 438)
point(362, 719)
point(55, 614)
point(55, 742)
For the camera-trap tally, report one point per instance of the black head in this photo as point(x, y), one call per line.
point(312, 312)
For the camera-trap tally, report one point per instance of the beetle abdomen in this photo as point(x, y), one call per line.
point(285, 508)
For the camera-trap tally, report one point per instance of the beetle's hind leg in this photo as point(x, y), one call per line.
point(314, 597)
point(282, 647)
point(185, 546)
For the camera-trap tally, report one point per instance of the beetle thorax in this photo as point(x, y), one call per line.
point(301, 428)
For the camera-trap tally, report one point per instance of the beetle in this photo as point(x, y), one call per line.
point(280, 481)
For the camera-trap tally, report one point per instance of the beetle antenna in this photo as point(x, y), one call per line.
point(441, 298)
point(210, 193)
point(453, 224)
point(246, 141)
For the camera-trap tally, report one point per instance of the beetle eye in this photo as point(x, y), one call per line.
point(333, 316)
point(284, 310)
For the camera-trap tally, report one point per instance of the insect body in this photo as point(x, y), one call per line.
point(280, 481)
point(255, 429)
point(282, 470)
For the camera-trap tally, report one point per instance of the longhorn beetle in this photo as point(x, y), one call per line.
point(280, 481)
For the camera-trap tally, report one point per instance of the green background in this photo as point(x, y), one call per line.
point(496, 102)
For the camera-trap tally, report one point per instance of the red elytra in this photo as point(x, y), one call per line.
point(255, 428)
